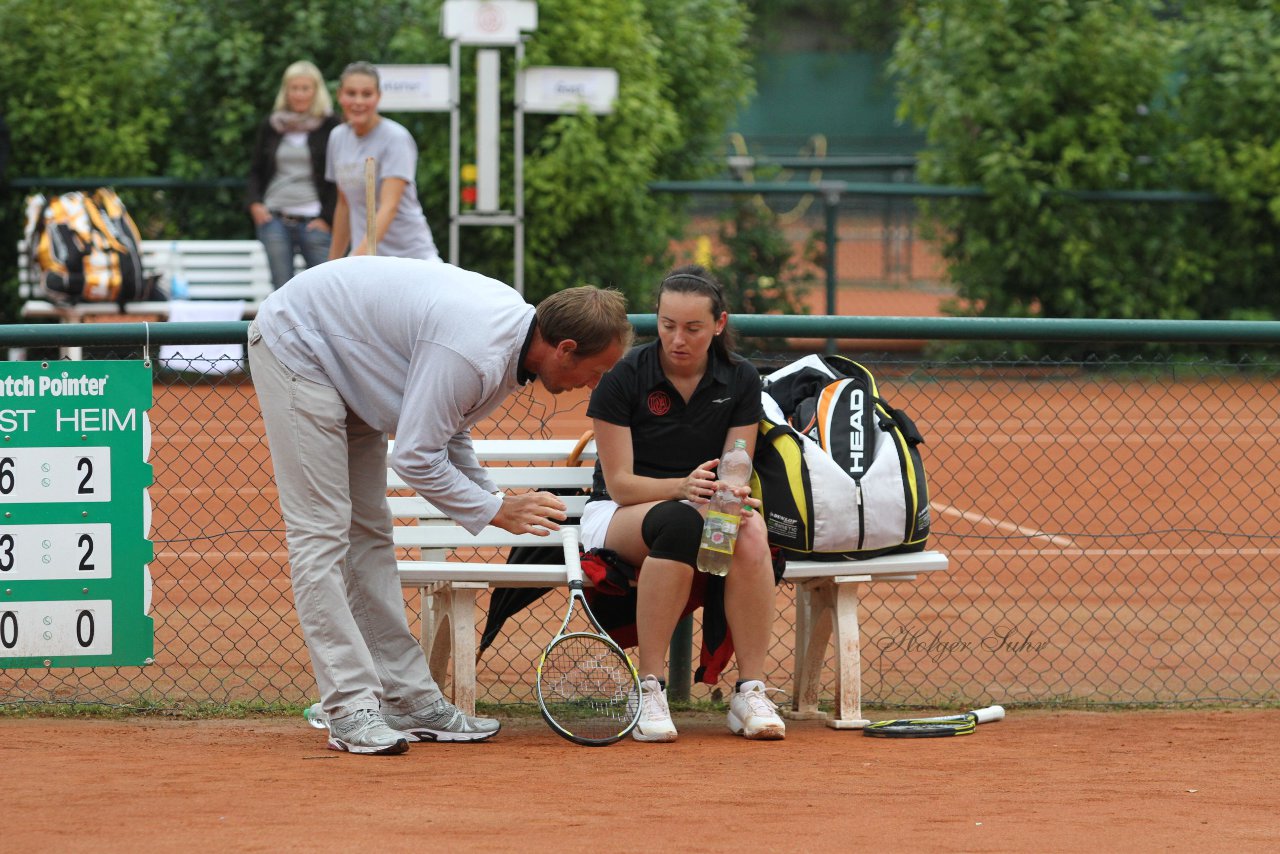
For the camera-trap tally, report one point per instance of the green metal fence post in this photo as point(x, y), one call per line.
point(831, 211)
point(680, 674)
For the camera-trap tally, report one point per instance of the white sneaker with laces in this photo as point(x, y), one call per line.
point(443, 721)
point(655, 718)
point(365, 731)
point(753, 715)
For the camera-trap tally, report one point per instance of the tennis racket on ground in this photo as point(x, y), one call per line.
point(939, 727)
point(588, 689)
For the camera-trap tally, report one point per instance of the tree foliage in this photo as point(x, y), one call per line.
point(1229, 108)
point(758, 269)
point(1027, 98)
point(77, 84)
point(177, 88)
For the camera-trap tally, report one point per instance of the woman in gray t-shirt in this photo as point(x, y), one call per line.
point(401, 228)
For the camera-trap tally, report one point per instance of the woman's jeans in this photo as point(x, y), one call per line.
point(287, 236)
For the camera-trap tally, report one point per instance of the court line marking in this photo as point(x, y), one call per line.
point(1074, 552)
point(999, 524)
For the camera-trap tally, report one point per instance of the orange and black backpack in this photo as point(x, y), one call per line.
point(84, 248)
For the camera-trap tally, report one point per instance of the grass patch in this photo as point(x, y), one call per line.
point(143, 707)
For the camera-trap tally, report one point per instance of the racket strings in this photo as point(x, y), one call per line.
point(587, 686)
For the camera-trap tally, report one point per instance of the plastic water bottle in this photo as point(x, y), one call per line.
point(720, 532)
point(316, 717)
point(177, 279)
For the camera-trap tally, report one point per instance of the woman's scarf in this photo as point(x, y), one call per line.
point(287, 121)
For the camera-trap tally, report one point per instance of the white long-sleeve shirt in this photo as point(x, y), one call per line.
point(419, 349)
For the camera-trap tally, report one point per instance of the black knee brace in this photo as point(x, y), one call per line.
point(673, 531)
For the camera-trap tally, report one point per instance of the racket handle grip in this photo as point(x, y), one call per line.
point(573, 569)
point(989, 714)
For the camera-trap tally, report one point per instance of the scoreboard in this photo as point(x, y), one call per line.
point(75, 514)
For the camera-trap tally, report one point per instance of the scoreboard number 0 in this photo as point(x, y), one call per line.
point(42, 629)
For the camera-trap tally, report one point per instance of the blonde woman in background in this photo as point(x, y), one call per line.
point(289, 198)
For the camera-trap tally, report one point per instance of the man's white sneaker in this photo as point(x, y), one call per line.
point(655, 718)
point(443, 722)
point(365, 731)
point(753, 715)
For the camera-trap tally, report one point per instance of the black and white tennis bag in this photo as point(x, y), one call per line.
point(838, 470)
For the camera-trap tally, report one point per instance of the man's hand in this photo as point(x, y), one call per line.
point(530, 513)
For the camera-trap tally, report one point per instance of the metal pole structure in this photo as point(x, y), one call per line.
point(764, 325)
point(488, 130)
point(455, 146)
point(518, 173)
point(831, 210)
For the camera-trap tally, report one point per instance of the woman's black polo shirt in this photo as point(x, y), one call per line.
point(670, 438)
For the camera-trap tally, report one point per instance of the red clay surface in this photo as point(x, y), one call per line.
point(1037, 781)
point(1026, 473)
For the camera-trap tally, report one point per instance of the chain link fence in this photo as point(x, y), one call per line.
point(1110, 526)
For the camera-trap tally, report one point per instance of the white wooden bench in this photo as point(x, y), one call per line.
point(226, 270)
point(826, 593)
point(214, 269)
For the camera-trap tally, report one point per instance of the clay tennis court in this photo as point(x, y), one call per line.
point(1037, 781)
point(1055, 498)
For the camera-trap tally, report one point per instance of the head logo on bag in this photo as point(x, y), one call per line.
point(844, 425)
point(837, 468)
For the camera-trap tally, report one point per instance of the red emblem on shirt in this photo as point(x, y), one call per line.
point(659, 403)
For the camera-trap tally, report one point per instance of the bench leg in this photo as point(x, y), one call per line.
point(449, 639)
point(848, 643)
point(828, 610)
point(462, 620)
point(813, 629)
point(435, 643)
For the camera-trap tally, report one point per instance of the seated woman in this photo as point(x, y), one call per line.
point(663, 416)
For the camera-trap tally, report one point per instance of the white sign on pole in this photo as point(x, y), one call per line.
point(415, 89)
point(488, 22)
point(560, 89)
point(488, 122)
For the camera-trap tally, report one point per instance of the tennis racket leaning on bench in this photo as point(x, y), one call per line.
point(939, 727)
point(588, 689)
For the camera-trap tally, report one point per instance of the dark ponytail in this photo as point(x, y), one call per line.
point(696, 279)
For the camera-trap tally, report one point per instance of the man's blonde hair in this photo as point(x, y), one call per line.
point(592, 317)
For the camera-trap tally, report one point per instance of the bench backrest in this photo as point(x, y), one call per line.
point(542, 475)
point(429, 532)
point(214, 269)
